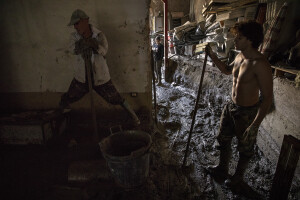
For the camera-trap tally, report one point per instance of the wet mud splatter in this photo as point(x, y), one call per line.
point(175, 104)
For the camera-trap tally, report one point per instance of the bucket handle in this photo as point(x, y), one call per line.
point(117, 126)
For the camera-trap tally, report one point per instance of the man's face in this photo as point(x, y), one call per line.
point(81, 26)
point(157, 41)
point(241, 42)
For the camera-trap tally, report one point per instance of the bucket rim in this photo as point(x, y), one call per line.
point(134, 154)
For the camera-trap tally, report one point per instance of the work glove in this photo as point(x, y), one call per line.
point(79, 47)
point(93, 43)
point(87, 54)
point(83, 44)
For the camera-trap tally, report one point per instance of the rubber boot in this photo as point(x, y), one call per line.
point(237, 178)
point(221, 171)
point(159, 78)
point(159, 81)
point(131, 112)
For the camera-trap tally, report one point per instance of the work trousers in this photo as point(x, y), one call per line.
point(158, 65)
point(77, 90)
point(234, 121)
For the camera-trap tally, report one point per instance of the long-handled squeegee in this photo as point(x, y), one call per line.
point(154, 87)
point(195, 109)
point(87, 54)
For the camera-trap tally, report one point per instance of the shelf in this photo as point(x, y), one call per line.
point(279, 71)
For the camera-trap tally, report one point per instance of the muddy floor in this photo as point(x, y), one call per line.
point(41, 172)
point(175, 105)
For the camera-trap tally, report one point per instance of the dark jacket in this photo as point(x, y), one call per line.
point(158, 52)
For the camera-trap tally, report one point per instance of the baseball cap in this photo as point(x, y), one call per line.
point(76, 16)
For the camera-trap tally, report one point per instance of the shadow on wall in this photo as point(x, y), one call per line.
point(6, 61)
point(290, 26)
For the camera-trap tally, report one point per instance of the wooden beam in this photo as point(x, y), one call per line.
point(286, 166)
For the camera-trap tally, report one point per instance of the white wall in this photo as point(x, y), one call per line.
point(34, 40)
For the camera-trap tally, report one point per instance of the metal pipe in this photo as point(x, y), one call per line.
point(166, 62)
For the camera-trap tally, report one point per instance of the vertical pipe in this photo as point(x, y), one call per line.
point(154, 88)
point(166, 62)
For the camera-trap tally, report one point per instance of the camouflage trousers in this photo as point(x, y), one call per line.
point(77, 90)
point(235, 121)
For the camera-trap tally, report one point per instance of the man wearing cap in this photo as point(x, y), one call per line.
point(89, 37)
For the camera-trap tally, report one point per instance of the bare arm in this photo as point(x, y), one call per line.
point(263, 74)
point(225, 69)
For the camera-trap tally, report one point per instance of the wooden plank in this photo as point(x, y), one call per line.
point(233, 5)
point(230, 14)
point(200, 48)
point(281, 70)
point(215, 10)
point(213, 4)
point(287, 163)
point(278, 73)
point(293, 141)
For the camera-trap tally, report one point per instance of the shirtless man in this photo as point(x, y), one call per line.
point(243, 115)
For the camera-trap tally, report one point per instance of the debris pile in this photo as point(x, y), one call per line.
point(220, 16)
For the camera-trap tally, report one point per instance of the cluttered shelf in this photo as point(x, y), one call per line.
point(219, 16)
point(215, 6)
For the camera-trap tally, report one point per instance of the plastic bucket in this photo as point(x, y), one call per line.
point(127, 156)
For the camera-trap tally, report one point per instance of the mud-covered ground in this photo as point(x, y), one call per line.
point(175, 104)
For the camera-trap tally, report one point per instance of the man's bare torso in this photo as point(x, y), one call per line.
point(245, 88)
